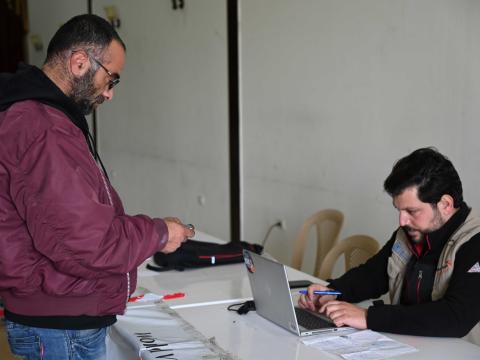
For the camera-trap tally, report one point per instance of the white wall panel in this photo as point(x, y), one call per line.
point(335, 91)
point(164, 137)
point(45, 17)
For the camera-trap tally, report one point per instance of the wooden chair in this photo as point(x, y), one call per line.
point(328, 223)
point(357, 250)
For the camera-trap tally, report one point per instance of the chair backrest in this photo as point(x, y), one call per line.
point(357, 250)
point(328, 223)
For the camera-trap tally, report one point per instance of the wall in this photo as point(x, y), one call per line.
point(335, 91)
point(164, 137)
point(45, 17)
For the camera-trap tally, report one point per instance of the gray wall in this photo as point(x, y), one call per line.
point(45, 17)
point(164, 137)
point(335, 91)
point(332, 93)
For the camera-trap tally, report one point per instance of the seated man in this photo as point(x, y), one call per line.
point(430, 266)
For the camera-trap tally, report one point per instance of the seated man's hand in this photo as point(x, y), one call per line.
point(314, 302)
point(345, 314)
point(178, 233)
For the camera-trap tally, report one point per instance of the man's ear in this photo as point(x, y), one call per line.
point(446, 204)
point(79, 63)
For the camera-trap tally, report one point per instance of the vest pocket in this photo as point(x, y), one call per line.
point(395, 271)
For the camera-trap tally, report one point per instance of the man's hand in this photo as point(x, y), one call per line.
point(343, 313)
point(315, 302)
point(177, 234)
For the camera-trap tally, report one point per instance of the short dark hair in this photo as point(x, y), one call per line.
point(429, 170)
point(87, 31)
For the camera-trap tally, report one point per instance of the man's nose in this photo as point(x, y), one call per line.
point(108, 94)
point(403, 219)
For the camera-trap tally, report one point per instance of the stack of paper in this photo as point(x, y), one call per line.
point(359, 345)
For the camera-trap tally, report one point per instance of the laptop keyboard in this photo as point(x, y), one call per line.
point(310, 321)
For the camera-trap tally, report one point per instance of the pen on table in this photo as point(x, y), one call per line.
point(322, 292)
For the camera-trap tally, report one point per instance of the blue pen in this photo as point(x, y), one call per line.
point(319, 292)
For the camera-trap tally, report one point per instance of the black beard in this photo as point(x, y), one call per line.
point(83, 93)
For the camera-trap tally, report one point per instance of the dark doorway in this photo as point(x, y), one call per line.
point(13, 28)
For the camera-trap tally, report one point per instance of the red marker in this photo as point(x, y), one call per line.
point(136, 298)
point(152, 297)
point(173, 296)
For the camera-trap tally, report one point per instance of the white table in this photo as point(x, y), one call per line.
point(252, 337)
point(206, 285)
point(210, 290)
point(225, 283)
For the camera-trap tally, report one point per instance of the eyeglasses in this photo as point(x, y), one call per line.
point(115, 78)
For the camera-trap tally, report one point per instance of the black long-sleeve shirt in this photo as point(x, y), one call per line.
point(454, 315)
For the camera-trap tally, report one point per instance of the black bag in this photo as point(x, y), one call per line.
point(194, 254)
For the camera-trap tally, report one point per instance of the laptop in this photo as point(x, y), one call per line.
point(273, 300)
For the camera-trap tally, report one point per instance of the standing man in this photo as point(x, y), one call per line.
point(430, 266)
point(68, 251)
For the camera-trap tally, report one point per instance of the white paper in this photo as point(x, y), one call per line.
point(359, 345)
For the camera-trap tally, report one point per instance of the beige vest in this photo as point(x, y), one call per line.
point(401, 255)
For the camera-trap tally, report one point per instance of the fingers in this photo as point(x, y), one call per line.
point(304, 302)
point(327, 308)
point(177, 228)
point(171, 246)
point(311, 301)
point(177, 234)
point(333, 310)
point(336, 312)
point(315, 287)
point(343, 313)
point(173, 219)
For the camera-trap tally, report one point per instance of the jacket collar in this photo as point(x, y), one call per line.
point(438, 238)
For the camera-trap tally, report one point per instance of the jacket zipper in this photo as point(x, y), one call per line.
point(419, 282)
point(111, 203)
point(420, 272)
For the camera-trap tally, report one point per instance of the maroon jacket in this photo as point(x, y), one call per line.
point(67, 247)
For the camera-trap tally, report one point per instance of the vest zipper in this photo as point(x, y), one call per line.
point(419, 282)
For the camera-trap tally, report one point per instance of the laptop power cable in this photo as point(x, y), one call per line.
point(242, 308)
